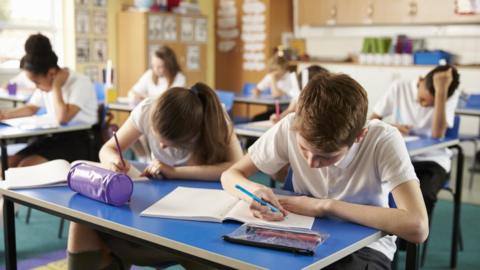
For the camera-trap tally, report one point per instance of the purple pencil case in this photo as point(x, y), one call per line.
point(100, 184)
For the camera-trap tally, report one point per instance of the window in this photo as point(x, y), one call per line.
point(21, 18)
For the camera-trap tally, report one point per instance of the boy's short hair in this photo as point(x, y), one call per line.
point(455, 79)
point(332, 111)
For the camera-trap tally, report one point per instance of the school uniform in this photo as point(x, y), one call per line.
point(368, 172)
point(146, 87)
point(432, 167)
point(77, 90)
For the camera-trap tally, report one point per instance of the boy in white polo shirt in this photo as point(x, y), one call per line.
point(345, 166)
point(425, 107)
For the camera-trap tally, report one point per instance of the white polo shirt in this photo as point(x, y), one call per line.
point(401, 102)
point(140, 117)
point(369, 171)
point(77, 90)
point(146, 87)
point(284, 84)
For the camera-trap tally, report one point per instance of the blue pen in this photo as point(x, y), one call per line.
point(256, 198)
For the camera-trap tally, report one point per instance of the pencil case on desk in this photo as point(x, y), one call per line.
point(299, 241)
point(100, 184)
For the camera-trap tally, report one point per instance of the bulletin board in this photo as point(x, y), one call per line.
point(91, 46)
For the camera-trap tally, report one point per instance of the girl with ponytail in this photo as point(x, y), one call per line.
point(66, 95)
point(191, 137)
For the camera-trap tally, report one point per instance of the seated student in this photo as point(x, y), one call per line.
point(312, 71)
point(277, 80)
point(164, 74)
point(191, 138)
point(425, 107)
point(345, 166)
point(66, 95)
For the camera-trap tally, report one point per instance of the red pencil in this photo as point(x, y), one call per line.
point(289, 235)
point(277, 108)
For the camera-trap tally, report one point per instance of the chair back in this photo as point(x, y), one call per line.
point(99, 90)
point(473, 100)
point(226, 98)
point(288, 184)
point(453, 132)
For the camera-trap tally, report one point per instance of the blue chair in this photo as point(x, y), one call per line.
point(454, 133)
point(248, 88)
point(226, 98)
point(472, 101)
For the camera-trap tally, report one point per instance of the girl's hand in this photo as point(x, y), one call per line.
point(60, 78)
point(158, 169)
point(442, 80)
point(264, 212)
point(115, 164)
point(304, 205)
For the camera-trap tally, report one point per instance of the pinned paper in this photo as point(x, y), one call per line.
point(155, 27)
point(187, 29)
point(227, 25)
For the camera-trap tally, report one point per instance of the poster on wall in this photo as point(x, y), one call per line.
point(227, 29)
point(254, 35)
point(201, 30)
point(82, 22)
point(82, 50)
point(100, 3)
point(193, 58)
point(93, 72)
point(155, 27)
point(99, 53)
point(187, 29)
point(100, 22)
point(170, 28)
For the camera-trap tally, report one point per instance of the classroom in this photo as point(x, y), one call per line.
point(239, 134)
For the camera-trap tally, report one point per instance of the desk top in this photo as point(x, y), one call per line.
point(120, 106)
point(19, 97)
point(262, 100)
point(253, 129)
point(471, 111)
point(200, 239)
point(8, 132)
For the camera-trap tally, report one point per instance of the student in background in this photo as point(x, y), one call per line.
point(426, 107)
point(344, 165)
point(164, 74)
point(191, 138)
point(66, 95)
point(309, 72)
point(278, 79)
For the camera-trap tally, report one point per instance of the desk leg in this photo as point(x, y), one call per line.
point(412, 260)
point(9, 235)
point(3, 148)
point(457, 207)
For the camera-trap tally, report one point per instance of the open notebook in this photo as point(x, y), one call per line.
point(214, 205)
point(49, 173)
point(43, 121)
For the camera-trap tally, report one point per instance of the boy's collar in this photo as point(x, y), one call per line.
point(347, 159)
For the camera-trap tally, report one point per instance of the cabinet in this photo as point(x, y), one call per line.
point(139, 34)
point(381, 12)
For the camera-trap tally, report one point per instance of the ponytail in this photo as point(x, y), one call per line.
point(194, 118)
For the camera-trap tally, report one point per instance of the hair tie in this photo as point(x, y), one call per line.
point(194, 90)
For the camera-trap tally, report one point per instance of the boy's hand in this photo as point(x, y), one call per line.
point(115, 164)
point(274, 118)
point(304, 205)
point(158, 169)
point(404, 129)
point(442, 80)
point(60, 78)
point(262, 211)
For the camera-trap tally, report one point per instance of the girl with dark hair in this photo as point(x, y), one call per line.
point(191, 137)
point(164, 74)
point(67, 97)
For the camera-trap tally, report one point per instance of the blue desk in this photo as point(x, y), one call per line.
point(200, 240)
point(428, 144)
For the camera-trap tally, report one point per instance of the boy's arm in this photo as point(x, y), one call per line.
point(237, 174)
point(441, 82)
point(409, 220)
